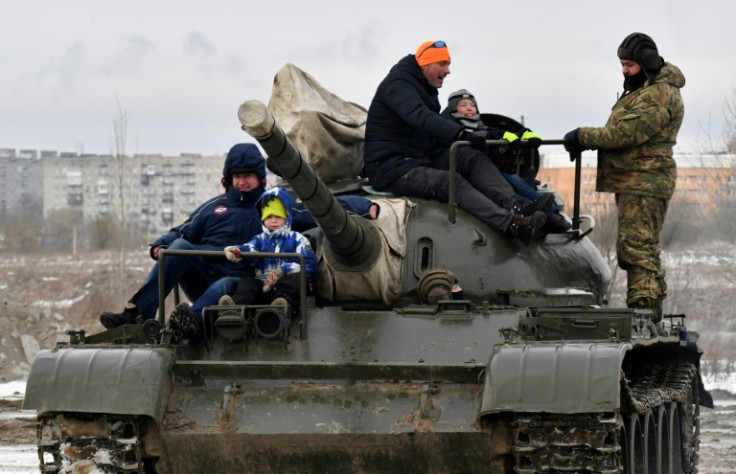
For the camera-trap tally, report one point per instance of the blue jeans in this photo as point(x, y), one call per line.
point(190, 272)
point(524, 189)
point(223, 286)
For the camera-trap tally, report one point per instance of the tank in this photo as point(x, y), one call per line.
point(429, 343)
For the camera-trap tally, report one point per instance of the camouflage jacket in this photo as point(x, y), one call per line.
point(635, 145)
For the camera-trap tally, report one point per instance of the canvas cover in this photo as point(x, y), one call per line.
point(327, 130)
point(382, 282)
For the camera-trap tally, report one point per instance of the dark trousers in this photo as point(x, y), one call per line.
point(479, 187)
point(190, 272)
point(250, 291)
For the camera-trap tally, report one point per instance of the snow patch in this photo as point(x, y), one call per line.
point(67, 303)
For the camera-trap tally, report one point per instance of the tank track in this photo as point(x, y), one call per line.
point(78, 442)
point(591, 442)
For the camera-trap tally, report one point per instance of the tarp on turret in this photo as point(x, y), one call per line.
point(327, 130)
point(381, 282)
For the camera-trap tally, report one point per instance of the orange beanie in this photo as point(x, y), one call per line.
point(432, 52)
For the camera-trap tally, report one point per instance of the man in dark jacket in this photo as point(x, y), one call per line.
point(221, 221)
point(635, 163)
point(407, 144)
point(224, 219)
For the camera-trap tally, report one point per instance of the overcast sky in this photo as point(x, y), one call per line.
point(180, 69)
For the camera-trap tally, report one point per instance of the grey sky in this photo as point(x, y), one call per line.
point(180, 69)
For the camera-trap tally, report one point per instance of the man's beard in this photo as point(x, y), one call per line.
point(632, 83)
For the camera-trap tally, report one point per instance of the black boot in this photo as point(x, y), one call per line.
point(529, 208)
point(527, 228)
point(556, 224)
point(182, 320)
point(129, 315)
point(649, 303)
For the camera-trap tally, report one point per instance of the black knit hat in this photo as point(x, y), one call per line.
point(456, 97)
point(641, 48)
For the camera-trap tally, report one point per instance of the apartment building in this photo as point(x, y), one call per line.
point(155, 191)
point(20, 173)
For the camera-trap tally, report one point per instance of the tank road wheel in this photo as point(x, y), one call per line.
point(662, 420)
point(632, 449)
point(672, 455)
point(651, 429)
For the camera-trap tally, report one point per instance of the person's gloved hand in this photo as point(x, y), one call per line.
point(271, 279)
point(572, 144)
point(534, 139)
point(232, 253)
point(476, 141)
point(513, 140)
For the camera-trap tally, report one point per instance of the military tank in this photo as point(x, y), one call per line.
point(387, 367)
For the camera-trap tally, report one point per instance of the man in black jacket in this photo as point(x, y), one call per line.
point(407, 146)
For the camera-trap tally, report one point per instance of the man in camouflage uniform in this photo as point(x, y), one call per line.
point(635, 162)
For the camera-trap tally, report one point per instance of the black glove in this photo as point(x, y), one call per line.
point(532, 137)
point(513, 139)
point(476, 141)
point(572, 144)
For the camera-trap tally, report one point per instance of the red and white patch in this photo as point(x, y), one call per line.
point(220, 210)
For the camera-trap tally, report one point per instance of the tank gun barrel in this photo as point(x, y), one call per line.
point(353, 241)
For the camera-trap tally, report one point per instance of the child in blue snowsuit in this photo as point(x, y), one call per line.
point(275, 277)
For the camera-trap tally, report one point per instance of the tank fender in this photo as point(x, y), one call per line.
point(101, 380)
point(560, 378)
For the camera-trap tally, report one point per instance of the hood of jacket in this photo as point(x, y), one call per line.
point(244, 156)
point(670, 74)
point(285, 198)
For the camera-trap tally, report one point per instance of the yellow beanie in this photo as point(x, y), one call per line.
point(432, 52)
point(273, 207)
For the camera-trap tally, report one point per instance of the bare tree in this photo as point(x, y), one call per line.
point(21, 230)
point(729, 112)
point(103, 233)
point(59, 230)
point(120, 170)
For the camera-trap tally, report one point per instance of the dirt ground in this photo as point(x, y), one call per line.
point(718, 435)
point(42, 297)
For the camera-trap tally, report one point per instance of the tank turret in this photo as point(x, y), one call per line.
point(420, 244)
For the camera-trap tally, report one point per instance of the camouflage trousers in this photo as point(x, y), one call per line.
point(640, 220)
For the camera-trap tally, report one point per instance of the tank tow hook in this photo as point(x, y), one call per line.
point(228, 400)
point(428, 408)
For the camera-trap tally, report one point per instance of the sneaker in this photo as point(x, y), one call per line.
point(527, 228)
point(129, 315)
point(543, 204)
point(280, 301)
point(182, 319)
point(226, 300)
